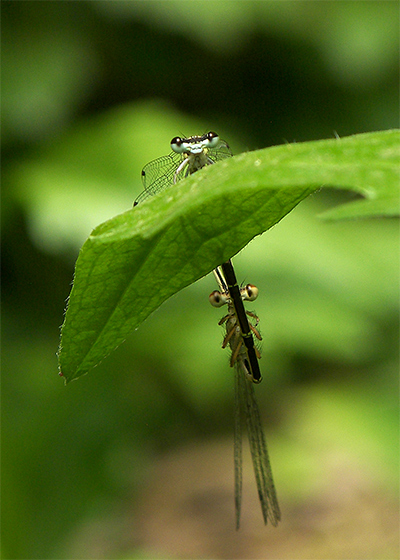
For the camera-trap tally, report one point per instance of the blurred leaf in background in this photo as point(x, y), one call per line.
point(91, 92)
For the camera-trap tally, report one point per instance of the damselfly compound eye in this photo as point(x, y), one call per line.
point(213, 139)
point(176, 144)
point(217, 299)
point(250, 292)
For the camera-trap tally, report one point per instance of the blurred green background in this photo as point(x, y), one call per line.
point(135, 460)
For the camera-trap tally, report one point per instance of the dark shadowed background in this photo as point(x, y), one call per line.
point(135, 460)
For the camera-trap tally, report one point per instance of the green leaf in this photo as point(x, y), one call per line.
point(132, 263)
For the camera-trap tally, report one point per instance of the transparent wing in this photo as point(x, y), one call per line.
point(238, 445)
point(223, 151)
point(159, 175)
point(258, 447)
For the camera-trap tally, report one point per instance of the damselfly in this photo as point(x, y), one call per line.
point(188, 155)
point(245, 400)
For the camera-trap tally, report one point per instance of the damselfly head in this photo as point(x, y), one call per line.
point(194, 144)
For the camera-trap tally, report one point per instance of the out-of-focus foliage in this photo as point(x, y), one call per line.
point(91, 92)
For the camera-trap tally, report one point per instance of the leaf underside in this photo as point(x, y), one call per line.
point(132, 263)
